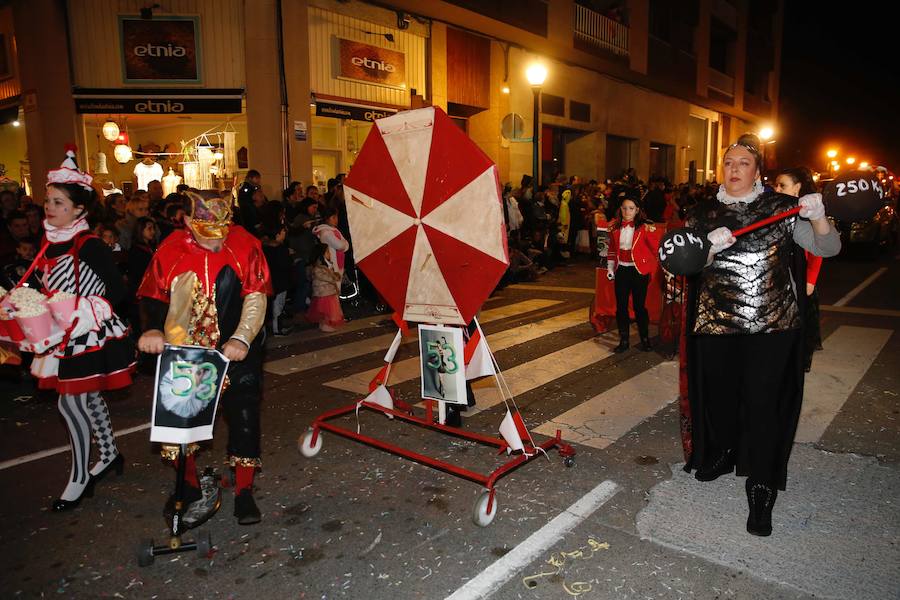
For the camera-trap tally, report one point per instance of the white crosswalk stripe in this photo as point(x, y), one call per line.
point(608, 416)
point(406, 370)
point(848, 353)
point(536, 373)
point(327, 356)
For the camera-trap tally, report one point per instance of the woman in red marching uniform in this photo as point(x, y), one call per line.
point(98, 353)
point(633, 244)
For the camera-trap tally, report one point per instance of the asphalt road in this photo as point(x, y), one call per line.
point(623, 522)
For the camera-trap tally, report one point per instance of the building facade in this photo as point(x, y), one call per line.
point(210, 88)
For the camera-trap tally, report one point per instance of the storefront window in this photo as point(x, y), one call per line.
point(336, 144)
point(199, 150)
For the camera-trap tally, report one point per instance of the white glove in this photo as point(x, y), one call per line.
point(91, 311)
point(812, 207)
point(610, 271)
point(720, 239)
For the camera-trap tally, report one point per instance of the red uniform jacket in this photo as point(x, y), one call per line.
point(644, 248)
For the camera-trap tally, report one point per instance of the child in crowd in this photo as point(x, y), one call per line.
point(325, 308)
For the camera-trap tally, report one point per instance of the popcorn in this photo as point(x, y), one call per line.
point(61, 297)
point(26, 296)
point(2, 291)
point(30, 310)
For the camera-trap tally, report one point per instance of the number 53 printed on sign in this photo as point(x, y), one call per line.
point(189, 381)
point(443, 373)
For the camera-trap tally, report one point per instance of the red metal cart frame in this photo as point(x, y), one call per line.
point(485, 505)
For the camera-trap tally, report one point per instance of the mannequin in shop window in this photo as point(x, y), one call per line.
point(146, 171)
point(170, 182)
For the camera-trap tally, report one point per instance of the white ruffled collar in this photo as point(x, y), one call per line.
point(57, 235)
point(725, 198)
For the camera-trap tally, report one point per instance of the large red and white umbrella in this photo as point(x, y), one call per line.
point(426, 216)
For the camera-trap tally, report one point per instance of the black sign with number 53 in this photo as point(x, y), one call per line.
point(189, 382)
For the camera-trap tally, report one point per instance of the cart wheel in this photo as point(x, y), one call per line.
point(204, 543)
point(480, 514)
point(145, 553)
point(305, 445)
point(569, 461)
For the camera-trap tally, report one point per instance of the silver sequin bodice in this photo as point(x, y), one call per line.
point(748, 288)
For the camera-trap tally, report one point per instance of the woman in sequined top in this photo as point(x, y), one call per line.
point(744, 349)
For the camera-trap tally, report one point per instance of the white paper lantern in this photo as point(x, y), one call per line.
point(122, 153)
point(101, 168)
point(110, 131)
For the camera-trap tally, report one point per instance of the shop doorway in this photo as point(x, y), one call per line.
point(696, 156)
point(567, 152)
point(621, 155)
point(662, 161)
point(326, 165)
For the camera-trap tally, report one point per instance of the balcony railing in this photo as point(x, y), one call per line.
point(721, 82)
point(599, 31)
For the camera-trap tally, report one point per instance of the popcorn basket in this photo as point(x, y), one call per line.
point(62, 307)
point(35, 323)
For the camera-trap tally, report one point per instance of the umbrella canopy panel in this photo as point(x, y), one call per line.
point(426, 217)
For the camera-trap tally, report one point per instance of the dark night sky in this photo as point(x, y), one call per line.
point(840, 83)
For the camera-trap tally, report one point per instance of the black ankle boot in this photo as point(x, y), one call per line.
point(645, 344)
point(245, 508)
point(60, 505)
point(761, 499)
point(722, 464)
point(622, 347)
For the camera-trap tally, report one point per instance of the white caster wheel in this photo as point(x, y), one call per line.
point(480, 514)
point(305, 445)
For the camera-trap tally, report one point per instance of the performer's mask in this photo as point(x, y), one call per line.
point(210, 214)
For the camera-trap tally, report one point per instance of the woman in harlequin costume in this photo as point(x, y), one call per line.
point(98, 353)
point(207, 285)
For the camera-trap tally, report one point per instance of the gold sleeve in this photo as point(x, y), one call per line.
point(178, 318)
point(253, 315)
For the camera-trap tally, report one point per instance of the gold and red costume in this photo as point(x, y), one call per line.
point(201, 297)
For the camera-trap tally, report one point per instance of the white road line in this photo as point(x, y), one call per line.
point(856, 291)
point(408, 369)
point(306, 334)
point(551, 288)
point(502, 570)
point(836, 371)
point(326, 356)
point(606, 417)
point(14, 462)
point(535, 373)
point(878, 312)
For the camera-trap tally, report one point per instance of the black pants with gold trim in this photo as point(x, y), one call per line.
point(240, 403)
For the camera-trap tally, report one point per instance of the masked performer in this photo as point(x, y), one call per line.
point(744, 344)
point(97, 353)
point(207, 286)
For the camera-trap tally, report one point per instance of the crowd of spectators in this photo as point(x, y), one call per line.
point(305, 229)
point(569, 217)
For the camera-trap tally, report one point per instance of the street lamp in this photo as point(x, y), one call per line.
point(864, 165)
point(850, 160)
point(765, 134)
point(536, 73)
point(831, 154)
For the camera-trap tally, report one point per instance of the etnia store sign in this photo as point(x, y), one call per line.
point(371, 64)
point(160, 50)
